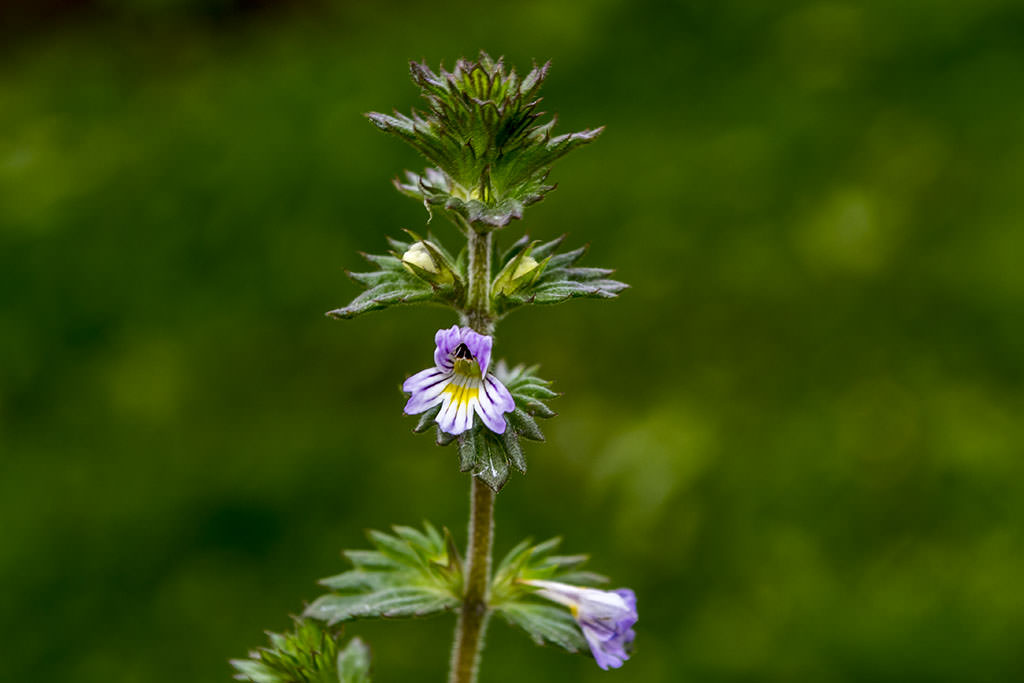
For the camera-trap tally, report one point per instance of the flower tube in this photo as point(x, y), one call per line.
point(605, 617)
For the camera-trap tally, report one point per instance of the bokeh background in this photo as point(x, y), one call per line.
point(799, 436)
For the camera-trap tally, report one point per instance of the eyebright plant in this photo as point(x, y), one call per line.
point(490, 152)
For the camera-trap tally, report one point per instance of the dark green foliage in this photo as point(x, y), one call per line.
point(398, 282)
point(408, 574)
point(555, 277)
point(483, 132)
point(308, 654)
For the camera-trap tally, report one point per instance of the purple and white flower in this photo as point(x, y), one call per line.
point(606, 617)
point(459, 383)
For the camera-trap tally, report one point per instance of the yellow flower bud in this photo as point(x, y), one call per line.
point(525, 267)
point(418, 255)
point(424, 261)
point(511, 279)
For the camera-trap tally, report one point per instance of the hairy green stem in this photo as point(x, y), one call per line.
point(469, 631)
point(473, 617)
point(478, 297)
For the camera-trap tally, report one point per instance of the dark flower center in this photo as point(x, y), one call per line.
point(462, 351)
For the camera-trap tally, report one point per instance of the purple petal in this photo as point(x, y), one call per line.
point(480, 346)
point(446, 341)
point(427, 397)
point(499, 394)
point(489, 413)
point(423, 379)
point(627, 595)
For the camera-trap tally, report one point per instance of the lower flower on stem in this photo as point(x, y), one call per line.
point(605, 617)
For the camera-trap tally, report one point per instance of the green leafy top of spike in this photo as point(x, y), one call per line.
point(482, 131)
point(310, 653)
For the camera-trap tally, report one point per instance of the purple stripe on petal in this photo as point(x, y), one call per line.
point(489, 414)
point(422, 380)
point(461, 413)
point(500, 395)
point(428, 398)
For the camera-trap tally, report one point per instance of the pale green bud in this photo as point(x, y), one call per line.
point(423, 260)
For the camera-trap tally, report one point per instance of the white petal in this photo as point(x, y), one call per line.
point(446, 418)
point(423, 379)
point(489, 413)
point(499, 394)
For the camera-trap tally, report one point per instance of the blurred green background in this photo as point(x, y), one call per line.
point(798, 437)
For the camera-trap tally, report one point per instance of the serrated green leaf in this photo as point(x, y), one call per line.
point(370, 559)
point(515, 451)
point(581, 578)
point(354, 663)
point(384, 295)
point(394, 602)
point(548, 248)
point(545, 624)
point(492, 466)
point(399, 550)
point(538, 391)
point(524, 425)
point(410, 573)
point(470, 445)
point(444, 438)
point(350, 580)
point(565, 259)
point(534, 406)
point(558, 281)
point(397, 283)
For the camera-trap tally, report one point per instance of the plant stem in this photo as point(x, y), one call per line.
point(469, 631)
point(473, 617)
point(478, 297)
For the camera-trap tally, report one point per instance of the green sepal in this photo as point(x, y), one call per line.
point(427, 419)
point(409, 573)
point(557, 278)
point(308, 654)
point(395, 282)
point(483, 133)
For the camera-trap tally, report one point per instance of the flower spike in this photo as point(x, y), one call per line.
point(460, 384)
